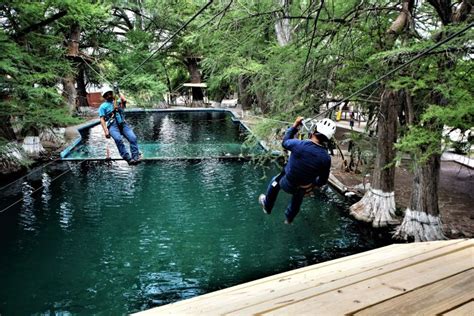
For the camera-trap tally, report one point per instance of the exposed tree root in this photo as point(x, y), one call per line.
point(419, 226)
point(376, 207)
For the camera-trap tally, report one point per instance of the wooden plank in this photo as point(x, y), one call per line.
point(327, 279)
point(359, 295)
point(206, 298)
point(466, 309)
point(273, 286)
point(329, 275)
point(432, 299)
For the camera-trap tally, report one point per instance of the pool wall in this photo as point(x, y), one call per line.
point(86, 127)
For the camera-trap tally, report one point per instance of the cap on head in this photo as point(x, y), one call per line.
point(105, 90)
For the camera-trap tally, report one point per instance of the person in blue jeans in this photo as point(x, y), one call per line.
point(308, 166)
point(112, 119)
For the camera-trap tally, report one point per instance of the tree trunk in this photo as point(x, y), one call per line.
point(193, 69)
point(246, 97)
point(378, 204)
point(282, 25)
point(6, 128)
point(72, 54)
point(401, 23)
point(443, 8)
point(81, 88)
point(73, 41)
point(168, 85)
point(262, 101)
point(422, 221)
point(198, 95)
point(462, 13)
point(222, 93)
point(69, 92)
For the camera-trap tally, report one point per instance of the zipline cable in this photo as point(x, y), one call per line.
point(346, 99)
point(447, 39)
point(100, 75)
point(268, 119)
point(169, 39)
point(39, 188)
point(29, 173)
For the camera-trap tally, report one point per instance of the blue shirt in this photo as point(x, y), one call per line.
point(106, 110)
point(309, 163)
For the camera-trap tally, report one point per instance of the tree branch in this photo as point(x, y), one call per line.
point(314, 33)
point(122, 15)
point(38, 25)
point(223, 12)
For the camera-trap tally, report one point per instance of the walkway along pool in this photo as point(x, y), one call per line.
point(114, 239)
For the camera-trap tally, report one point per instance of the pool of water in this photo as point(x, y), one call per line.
point(108, 238)
point(172, 134)
point(114, 239)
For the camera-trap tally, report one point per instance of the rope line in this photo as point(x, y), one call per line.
point(346, 99)
point(29, 173)
point(39, 188)
point(97, 73)
point(449, 38)
point(169, 39)
point(269, 119)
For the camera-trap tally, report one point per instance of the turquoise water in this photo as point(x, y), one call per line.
point(115, 239)
point(108, 238)
point(172, 134)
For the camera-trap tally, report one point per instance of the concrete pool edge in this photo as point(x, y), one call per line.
point(64, 153)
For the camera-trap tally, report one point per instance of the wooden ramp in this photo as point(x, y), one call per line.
point(418, 278)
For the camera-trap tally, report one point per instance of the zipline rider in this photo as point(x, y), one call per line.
point(112, 119)
point(308, 166)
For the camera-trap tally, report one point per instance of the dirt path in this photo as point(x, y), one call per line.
point(455, 195)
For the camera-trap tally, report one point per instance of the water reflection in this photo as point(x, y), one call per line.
point(46, 191)
point(66, 212)
point(27, 214)
point(117, 239)
point(168, 131)
point(158, 288)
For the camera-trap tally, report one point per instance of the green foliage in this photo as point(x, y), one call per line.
point(421, 142)
point(236, 43)
point(362, 151)
point(265, 127)
point(34, 62)
point(452, 86)
point(146, 89)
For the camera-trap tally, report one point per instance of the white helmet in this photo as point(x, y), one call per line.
point(326, 127)
point(105, 89)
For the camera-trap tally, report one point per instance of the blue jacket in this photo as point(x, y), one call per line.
point(309, 163)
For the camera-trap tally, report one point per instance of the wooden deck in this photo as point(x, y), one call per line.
point(418, 278)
